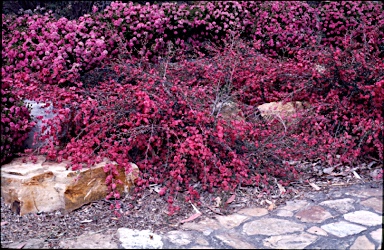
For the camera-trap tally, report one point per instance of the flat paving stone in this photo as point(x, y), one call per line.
point(234, 241)
point(294, 205)
point(290, 241)
point(271, 226)
point(138, 239)
point(179, 237)
point(207, 226)
point(202, 241)
point(284, 213)
point(341, 205)
point(201, 247)
point(375, 203)
point(255, 212)
point(377, 235)
point(365, 218)
point(362, 242)
point(231, 221)
point(366, 192)
point(29, 244)
point(315, 214)
point(331, 243)
point(317, 230)
point(342, 228)
point(90, 240)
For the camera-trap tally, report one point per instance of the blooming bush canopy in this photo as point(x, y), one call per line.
point(142, 83)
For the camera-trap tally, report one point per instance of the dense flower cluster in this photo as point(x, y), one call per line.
point(146, 83)
point(15, 122)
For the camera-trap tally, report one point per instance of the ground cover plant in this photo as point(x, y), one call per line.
point(147, 84)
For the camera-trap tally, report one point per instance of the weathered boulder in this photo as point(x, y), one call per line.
point(47, 186)
point(282, 112)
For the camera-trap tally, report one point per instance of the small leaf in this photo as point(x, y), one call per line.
point(86, 221)
point(271, 207)
point(191, 218)
point(231, 199)
point(195, 208)
point(356, 175)
point(317, 188)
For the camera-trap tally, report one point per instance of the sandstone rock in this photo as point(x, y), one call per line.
point(280, 111)
point(47, 186)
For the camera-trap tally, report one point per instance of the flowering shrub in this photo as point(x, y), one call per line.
point(359, 23)
point(114, 97)
point(54, 51)
point(15, 122)
point(280, 27)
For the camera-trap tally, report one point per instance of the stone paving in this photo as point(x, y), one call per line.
point(343, 218)
point(348, 217)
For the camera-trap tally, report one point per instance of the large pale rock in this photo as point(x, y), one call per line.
point(283, 112)
point(47, 186)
